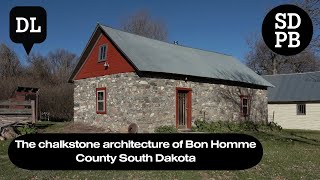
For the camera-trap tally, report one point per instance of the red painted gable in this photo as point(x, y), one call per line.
point(93, 68)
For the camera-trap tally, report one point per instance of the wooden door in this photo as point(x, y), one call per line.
point(183, 108)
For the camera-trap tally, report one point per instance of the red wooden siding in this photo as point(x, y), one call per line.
point(93, 68)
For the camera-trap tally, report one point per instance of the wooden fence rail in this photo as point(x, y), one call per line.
point(12, 109)
point(15, 103)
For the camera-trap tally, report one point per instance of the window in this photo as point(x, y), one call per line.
point(245, 105)
point(301, 109)
point(101, 100)
point(102, 52)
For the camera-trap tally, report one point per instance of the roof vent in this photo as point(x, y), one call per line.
point(175, 42)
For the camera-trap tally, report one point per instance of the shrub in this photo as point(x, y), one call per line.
point(249, 126)
point(27, 129)
point(225, 126)
point(58, 101)
point(201, 126)
point(165, 129)
point(219, 126)
point(271, 126)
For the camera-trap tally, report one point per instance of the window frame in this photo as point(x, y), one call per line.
point(100, 53)
point(301, 113)
point(104, 90)
point(242, 97)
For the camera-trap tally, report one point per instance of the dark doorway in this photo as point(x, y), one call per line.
point(183, 108)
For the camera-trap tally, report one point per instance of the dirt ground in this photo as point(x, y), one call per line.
point(70, 127)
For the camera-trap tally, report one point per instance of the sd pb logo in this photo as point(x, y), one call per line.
point(287, 30)
point(28, 25)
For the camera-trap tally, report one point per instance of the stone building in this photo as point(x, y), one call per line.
point(122, 78)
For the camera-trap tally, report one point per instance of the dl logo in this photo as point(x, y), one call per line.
point(287, 30)
point(28, 25)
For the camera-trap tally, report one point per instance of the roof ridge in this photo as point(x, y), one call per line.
point(310, 72)
point(184, 46)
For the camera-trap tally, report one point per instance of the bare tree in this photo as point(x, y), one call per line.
point(312, 7)
point(39, 68)
point(47, 72)
point(62, 63)
point(264, 61)
point(9, 62)
point(58, 101)
point(306, 61)
point(141, 23)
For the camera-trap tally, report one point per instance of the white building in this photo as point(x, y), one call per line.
point(294, 102)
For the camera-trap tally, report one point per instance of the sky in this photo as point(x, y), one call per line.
point(215, 25)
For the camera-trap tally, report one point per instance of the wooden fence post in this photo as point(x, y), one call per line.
point(33, 116)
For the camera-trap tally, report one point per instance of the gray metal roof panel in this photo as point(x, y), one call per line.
point(294, 87)
point(157, 56)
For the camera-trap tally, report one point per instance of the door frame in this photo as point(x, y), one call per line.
point(189, 106)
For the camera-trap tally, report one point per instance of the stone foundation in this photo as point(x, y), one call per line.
point(151, 102)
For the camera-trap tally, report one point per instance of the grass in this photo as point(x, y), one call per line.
point(289, 154)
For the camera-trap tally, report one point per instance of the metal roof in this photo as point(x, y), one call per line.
point(294, 87)
point(157, 56)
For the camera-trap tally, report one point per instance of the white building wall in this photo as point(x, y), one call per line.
point(286, 116)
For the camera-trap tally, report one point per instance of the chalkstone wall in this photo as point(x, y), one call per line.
point(150, 102)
